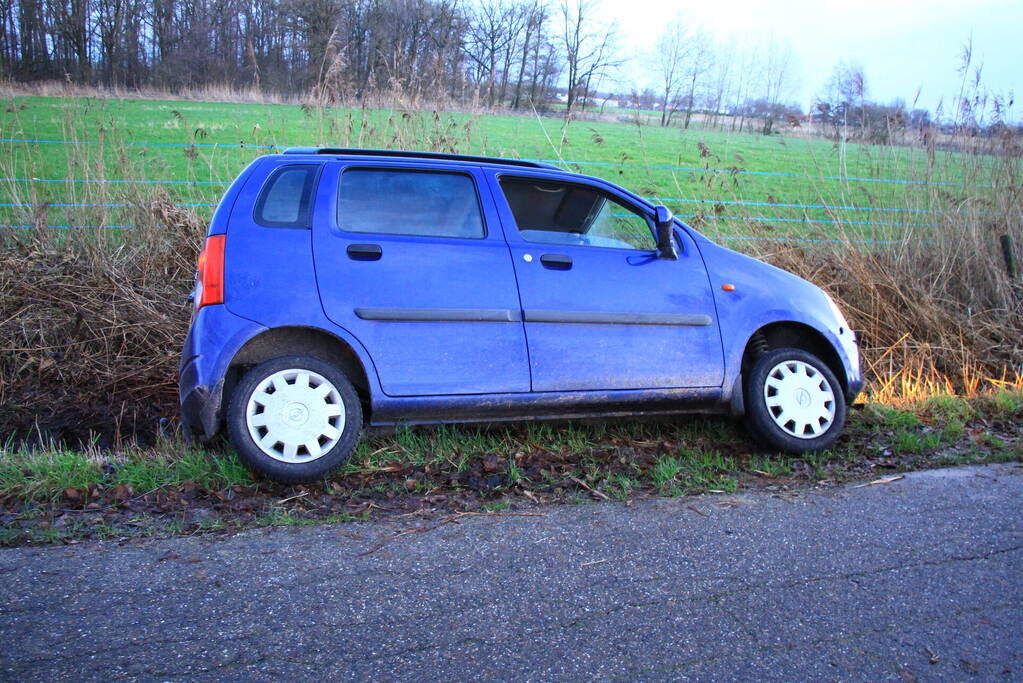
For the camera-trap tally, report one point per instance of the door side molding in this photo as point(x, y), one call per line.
point(468, 315)
point(597, 318)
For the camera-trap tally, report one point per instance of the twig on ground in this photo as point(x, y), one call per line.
point(297, 495)
point(882, 480)
point(589, 488)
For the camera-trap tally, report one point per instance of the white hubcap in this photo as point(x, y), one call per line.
point(799, 399)
point(295, 416)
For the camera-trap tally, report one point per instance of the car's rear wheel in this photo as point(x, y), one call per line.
point(794, 402)
point(294, 418)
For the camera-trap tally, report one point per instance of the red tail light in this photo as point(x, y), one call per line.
point(210, 273)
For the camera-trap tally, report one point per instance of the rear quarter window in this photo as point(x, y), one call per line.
point(286, 198)
point(399, 202)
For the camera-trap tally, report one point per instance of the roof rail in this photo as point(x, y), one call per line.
point(402, 154)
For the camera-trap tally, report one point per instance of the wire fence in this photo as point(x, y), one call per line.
point(715, 215)
point(651, 199)
point(558, 162)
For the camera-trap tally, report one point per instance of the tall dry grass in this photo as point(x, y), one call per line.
point(936, 310)
point(211, 92)
point(320, 96)
point(91, 325)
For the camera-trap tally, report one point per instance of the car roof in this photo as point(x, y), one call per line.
point(352, 154)
point(413, 155)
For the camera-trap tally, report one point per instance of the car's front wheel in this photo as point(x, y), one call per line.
point(794, 402)
point(294, 418)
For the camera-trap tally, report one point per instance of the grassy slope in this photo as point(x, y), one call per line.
point(122, 124)
point(55, 494)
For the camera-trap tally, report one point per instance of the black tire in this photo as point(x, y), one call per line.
point(253, 456)
point(763, 420)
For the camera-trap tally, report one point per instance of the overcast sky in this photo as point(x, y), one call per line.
point(903, 46)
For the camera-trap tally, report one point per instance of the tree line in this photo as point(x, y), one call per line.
point(498, 53)
point(503, 52)
point(518, 54)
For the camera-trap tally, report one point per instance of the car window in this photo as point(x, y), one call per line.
point(425, 203)
point(563, 213)
point(285, 198)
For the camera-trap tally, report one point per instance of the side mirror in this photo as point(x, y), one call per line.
point(665, 233)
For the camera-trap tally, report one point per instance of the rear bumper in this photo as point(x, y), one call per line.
point(201, 410)
point(214, 338)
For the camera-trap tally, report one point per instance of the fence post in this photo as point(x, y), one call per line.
point(1008, 253)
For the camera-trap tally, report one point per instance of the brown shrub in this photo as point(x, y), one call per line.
point(91, 325)
point(939, 300)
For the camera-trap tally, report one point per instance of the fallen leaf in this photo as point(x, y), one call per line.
point(121, 492)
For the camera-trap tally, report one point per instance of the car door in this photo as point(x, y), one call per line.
point(413, 263)
point(602, 311)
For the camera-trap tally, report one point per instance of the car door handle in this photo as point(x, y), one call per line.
point(556, 261)
point(365, 252)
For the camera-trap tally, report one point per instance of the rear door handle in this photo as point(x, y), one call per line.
point(365, 252)
point(556, 261)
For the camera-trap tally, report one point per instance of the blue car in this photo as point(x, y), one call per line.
point(341, 288)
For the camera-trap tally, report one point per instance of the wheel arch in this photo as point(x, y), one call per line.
point(291, 340)
point(789, 334)
point(780, 335)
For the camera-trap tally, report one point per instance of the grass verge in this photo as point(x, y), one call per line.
point(53, 495)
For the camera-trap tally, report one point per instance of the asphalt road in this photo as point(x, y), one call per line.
point(920, 578)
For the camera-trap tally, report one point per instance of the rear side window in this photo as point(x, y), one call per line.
point(285, 200)
point(422, 203)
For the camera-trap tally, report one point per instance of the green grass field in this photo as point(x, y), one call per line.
point(151, 140)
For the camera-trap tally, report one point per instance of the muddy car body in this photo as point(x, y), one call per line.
point(345, 288)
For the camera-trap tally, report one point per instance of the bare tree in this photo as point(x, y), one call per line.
point(671, 51)
point(535, 15)
point(490, 32)
point(721, 77)
point(777, 79)
point(843, 101)
point(747, 59)
point(701, 56)
point(70, 22)
point(588, 48)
